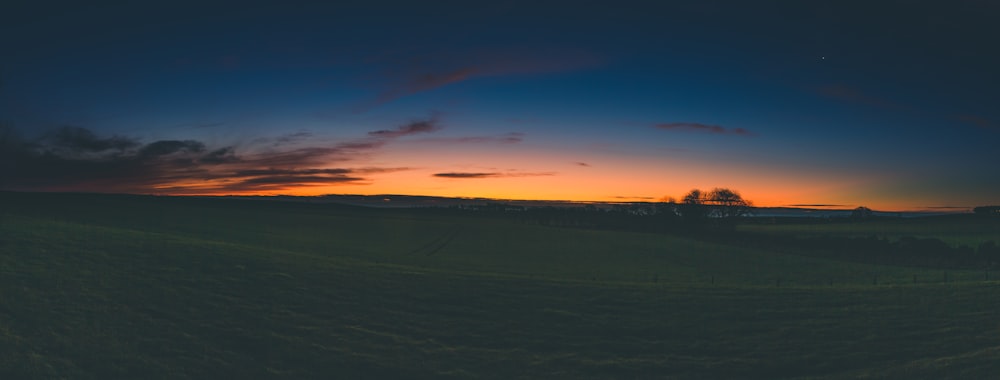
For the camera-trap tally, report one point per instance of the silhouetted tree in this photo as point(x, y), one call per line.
point(861, 213)
point(692, 207)
point(728, 205)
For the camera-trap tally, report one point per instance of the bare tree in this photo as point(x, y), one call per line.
point(728, 204)
point(861, 213)
point(692, 207)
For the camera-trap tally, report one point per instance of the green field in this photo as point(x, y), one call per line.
point(98, 286)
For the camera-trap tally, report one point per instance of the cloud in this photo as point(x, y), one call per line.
point(287, 172)
point(818, 205)
point(220, 156)
point(584, 164)
point(409, 74)
point(414, 127)
point(296, 158)
point(361, 145)
point(467, 175)
point(286, 139)
point(509, 138)
point(81, 140)
point(76, 159)
point(166, 147)
point(713, 129)
point(341, 151)
point(301, 179)
point(512, 138)
point(424, 82)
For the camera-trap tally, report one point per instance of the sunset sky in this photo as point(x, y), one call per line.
point(892, 105)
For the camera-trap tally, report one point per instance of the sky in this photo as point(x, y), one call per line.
point(891, 105)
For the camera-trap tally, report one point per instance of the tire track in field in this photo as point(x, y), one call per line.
point(437, 244)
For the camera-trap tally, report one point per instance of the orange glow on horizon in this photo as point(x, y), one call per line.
point(527, 172)
point(608, 186)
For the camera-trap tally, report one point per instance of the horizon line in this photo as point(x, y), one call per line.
point(818, 206)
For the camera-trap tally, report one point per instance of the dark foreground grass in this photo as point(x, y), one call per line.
point(956, 230)
point(92, 299)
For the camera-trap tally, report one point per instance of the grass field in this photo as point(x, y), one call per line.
point(145, 287)
point(955, 230)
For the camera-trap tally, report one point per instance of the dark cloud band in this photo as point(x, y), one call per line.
point(76, 159)
point(474, 175)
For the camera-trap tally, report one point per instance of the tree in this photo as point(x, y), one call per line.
point(861, 213)
point(693, 197)
point(727, 204)
point(692, 207)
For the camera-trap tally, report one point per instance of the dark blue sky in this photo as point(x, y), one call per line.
point(891, 104)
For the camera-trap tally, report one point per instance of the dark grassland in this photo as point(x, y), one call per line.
point(101, 286)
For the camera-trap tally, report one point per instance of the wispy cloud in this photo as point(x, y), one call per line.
point(290, 172)
point(76, 159)
point(415, 127)
point(426, 81)
point(699, 127)
point(818, 205)
point(409, 74)
point(301, 179)
point(466, 175)
point(286, 139)
point(584, 164)
point(71, 139)
point(168, 147)
point(508, 138)
point(474, 175)
point(220, 156)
